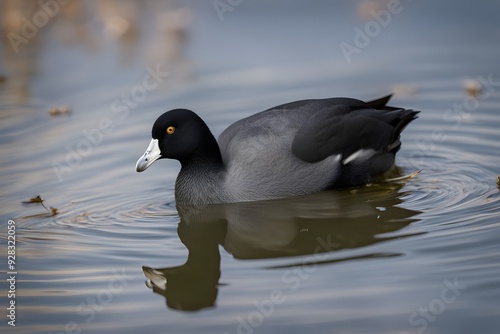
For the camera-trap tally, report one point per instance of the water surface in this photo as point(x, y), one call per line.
point(415, 256)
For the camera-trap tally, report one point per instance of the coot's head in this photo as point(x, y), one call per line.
point(177, 134)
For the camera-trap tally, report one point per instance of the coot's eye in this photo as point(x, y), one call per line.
point(170, 130)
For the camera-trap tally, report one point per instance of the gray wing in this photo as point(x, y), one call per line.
point(322, 127)
point(339, 130)
point(283, 119)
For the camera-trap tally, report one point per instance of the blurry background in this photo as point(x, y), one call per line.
point(81, 83)
point(100, 44)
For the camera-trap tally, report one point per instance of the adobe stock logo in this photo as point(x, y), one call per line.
point(372, 29)
point(29, 29)
point(427, 314)
point(120, 110)
point(291, 279)
point(223, 6)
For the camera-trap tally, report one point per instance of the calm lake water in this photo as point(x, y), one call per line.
point(415, 256)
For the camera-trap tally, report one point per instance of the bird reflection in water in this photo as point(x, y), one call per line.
point(321, 223)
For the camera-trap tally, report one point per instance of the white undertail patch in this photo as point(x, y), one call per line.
point(359, 155)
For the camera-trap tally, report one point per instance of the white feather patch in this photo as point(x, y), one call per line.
point(360, 155)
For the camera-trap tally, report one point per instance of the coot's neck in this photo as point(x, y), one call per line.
point(201, 178)
point(206, 156)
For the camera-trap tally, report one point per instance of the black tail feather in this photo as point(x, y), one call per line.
point(406, 117)
point(380, 103)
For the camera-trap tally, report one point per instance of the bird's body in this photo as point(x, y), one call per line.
point(293, 149)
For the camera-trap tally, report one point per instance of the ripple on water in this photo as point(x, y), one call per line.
point(458, 190)
point(123, 217)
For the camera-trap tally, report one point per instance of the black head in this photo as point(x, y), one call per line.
point(179, 134)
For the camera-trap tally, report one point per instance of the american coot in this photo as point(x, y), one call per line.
point(293, 149)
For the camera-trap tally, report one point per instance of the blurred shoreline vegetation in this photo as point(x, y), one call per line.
point(155, 32)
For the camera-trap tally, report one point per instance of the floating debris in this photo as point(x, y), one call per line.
point(63, 110)
point(367, 8)
point(405, 177)
point(36, 199)
point(39, 199)
point(472, 87)
point(404, 90)
point(117, 26)
point(54, 211)
point(82, 218)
